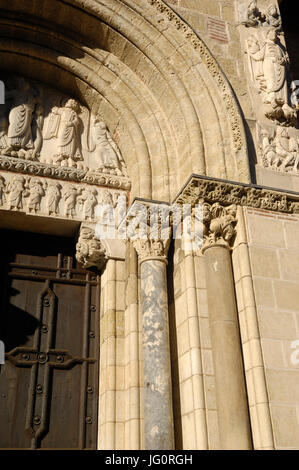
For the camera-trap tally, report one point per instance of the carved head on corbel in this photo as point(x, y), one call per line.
point(90, 251)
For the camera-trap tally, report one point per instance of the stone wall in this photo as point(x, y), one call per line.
point(273, 241)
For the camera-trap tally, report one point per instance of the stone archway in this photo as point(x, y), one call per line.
point(154, 82)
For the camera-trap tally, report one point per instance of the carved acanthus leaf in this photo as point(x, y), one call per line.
point(220, 226)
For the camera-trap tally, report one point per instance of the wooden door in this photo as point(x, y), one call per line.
point(50, 327)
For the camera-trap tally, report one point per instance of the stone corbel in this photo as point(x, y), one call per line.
point(90, 252)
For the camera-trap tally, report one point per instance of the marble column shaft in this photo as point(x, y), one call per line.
point(232, 406)
point(158, 412)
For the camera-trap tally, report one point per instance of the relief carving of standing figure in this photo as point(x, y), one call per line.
point(16, 190)
point(108, 155)
point(36, 193)
point(69, 145)
point(268, 64)
point(89, 201)
point(70, 198)
point(20, 120)
point(53, 197)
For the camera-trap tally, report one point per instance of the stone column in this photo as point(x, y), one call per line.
point(158, 411)
point(232, 406)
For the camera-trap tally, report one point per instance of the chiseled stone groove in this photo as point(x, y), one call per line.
point(226, 193)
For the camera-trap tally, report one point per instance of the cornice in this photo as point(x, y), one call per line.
point(27, 167)
point(212, 190)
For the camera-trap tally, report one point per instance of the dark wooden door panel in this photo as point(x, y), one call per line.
point(50, 327)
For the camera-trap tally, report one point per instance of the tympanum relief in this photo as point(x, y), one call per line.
point(42, 125)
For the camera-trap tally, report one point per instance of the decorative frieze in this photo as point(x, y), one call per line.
point(213, 191)
point(46, 197)
point(18, 165)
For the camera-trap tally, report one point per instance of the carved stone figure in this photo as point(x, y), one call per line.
point(70, 198)
point(36, 192)
point(269, 155)
point(273, 17)
point(268, 68)
point(3, 134)
point(279, 151)
point(53, 197)
point(107, 153)
point(38, 127)
point(89, 201)
point(16, 190)
point(20, 120)
point(90, 251)
point(2, 191)
point(64, 123)
point(254, 16)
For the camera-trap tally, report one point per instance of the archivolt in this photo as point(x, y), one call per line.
point(154, 82)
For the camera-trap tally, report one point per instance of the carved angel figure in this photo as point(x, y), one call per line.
point(36, 192)
point(15, 189)
point(107, 154)
point(53, 197)
point(64, 124)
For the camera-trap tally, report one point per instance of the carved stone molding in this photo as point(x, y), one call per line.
point(90, 252)
point(226, 193)
point(213, 68)
point(18, 165)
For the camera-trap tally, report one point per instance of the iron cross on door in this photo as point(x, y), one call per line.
point(42, 358)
